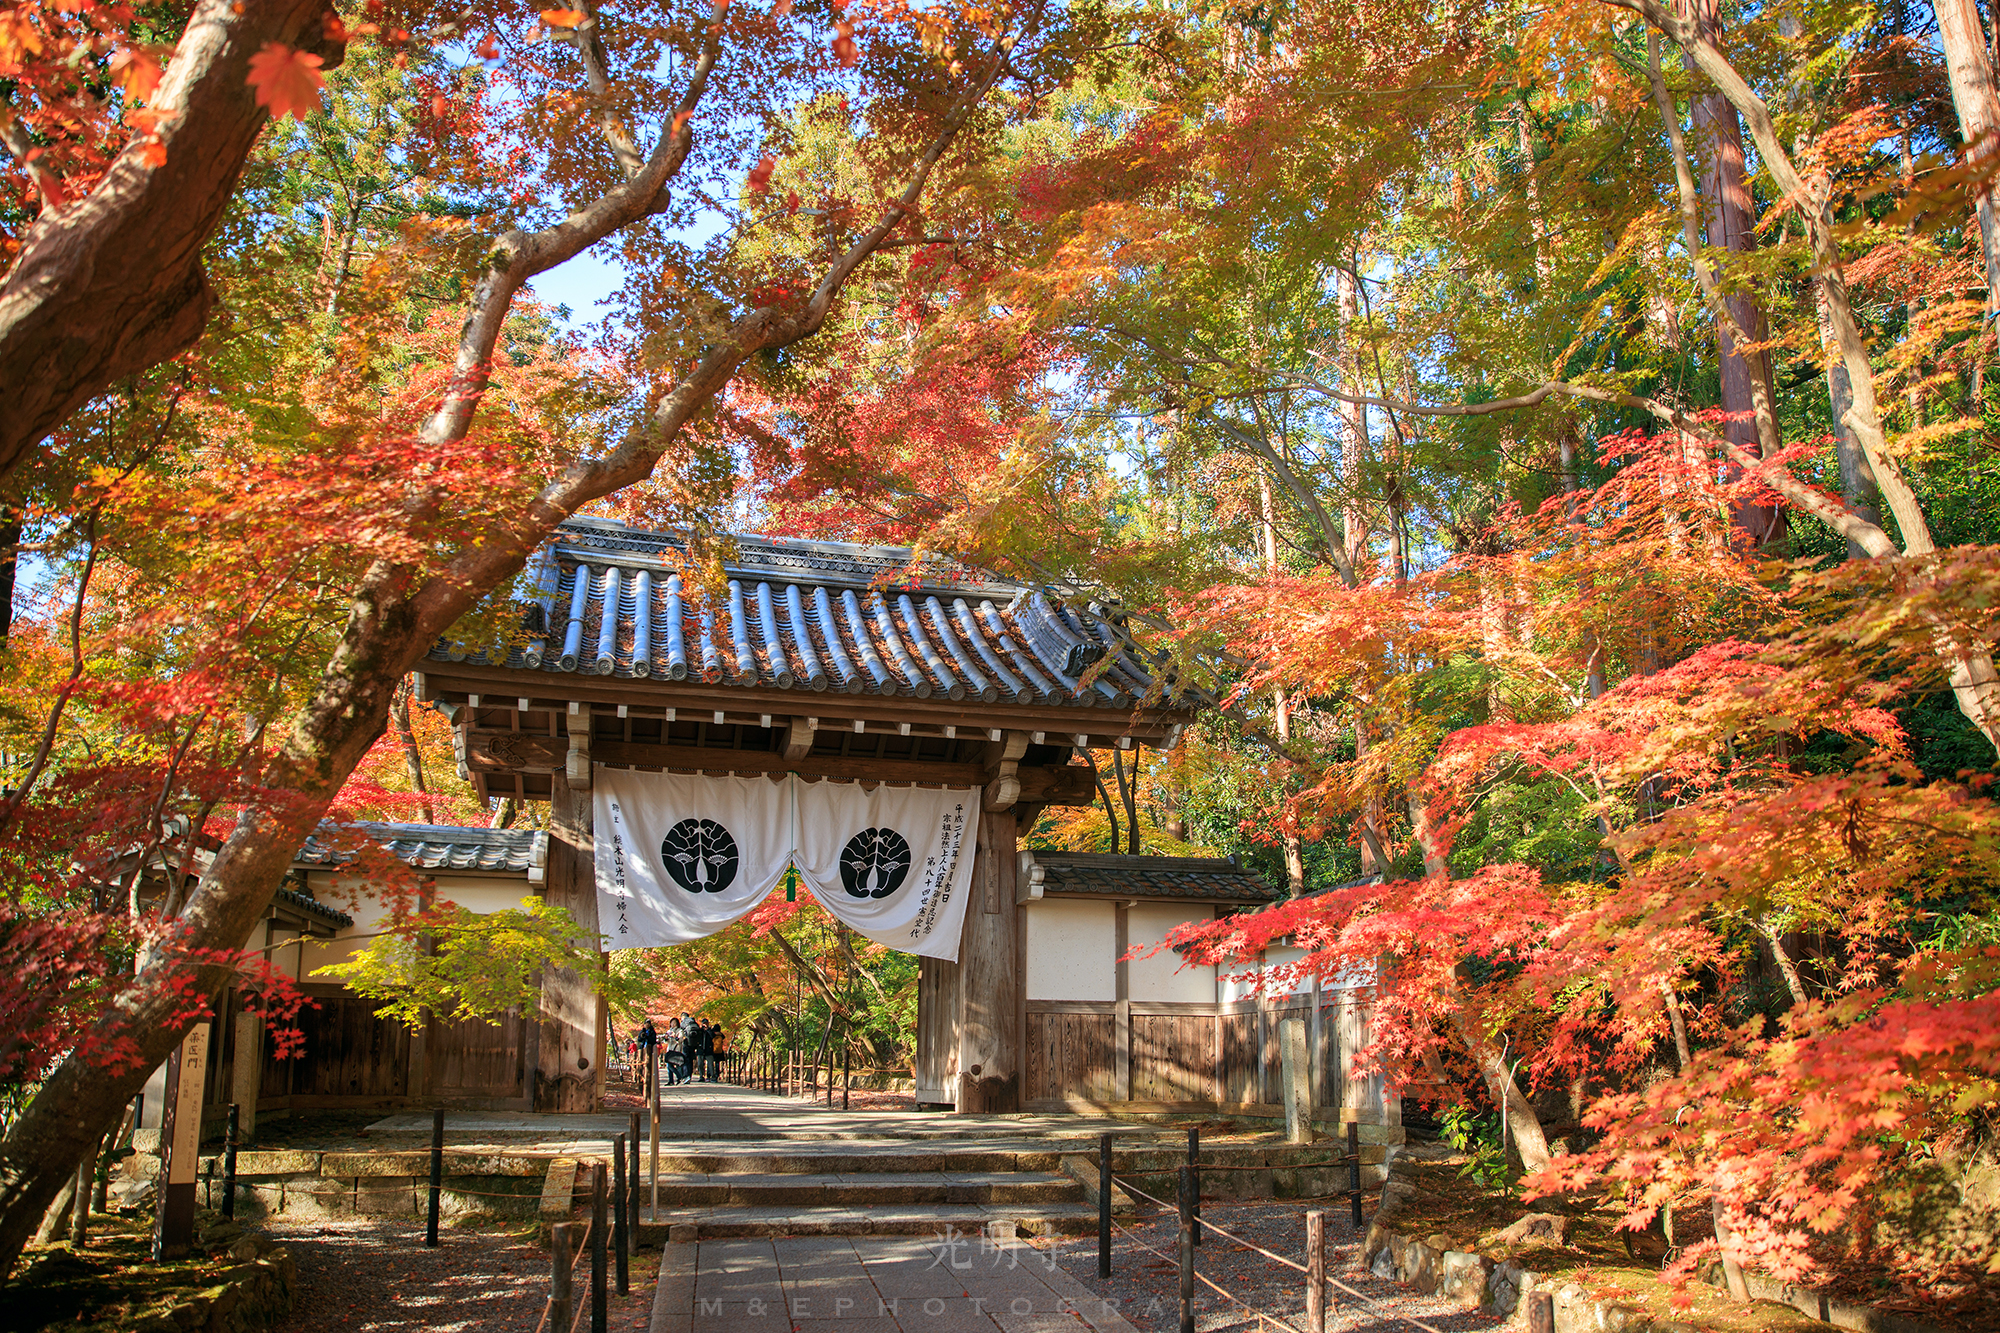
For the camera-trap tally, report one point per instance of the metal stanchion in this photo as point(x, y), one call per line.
point(1194, 1165)
point(229, 1165)
point(620, 1234)
point(1187, 1249)
point(1354, 1169)
point(598, 1274)
point(437, 1176)
point(1104, 1205)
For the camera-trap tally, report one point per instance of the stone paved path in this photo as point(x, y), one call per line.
point(1146, 1282)
point(872, 1284)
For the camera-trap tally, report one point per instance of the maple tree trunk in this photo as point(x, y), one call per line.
point(1523, 1124)
point(1974, 95)
point(397, 614)
point(1746, 375)
point(413, 759)
point(113, 283)
point(1857, 479)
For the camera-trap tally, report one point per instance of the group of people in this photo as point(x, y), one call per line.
point(689, 1050)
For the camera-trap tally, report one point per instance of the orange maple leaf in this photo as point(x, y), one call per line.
point(287, 81)
point(136, 72)
point(564, 18)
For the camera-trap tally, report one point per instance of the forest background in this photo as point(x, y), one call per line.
point(1558, 438)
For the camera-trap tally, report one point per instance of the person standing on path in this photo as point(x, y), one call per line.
point(649, 1042)
point(718, 1051)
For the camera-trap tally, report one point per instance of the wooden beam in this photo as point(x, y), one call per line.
point(489, 752)
point(455, 681)
point(1003, 760)
point(799, 737)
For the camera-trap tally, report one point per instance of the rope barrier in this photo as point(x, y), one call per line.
point(1204, 1279)
point(1209, 1225)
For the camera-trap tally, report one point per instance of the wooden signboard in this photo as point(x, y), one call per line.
point(180, 1144)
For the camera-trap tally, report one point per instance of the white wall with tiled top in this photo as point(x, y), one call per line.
point(1072, 949)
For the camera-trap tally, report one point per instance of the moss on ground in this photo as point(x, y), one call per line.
point(1597, 1257)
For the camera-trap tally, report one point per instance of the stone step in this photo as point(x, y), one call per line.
point(971, 1220)
point(866, 1189)
point(980, 1156)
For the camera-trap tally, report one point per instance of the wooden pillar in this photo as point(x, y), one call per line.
point(989, 993)
point(1121, 1023)
point(570, 1049)
point(246, 1075)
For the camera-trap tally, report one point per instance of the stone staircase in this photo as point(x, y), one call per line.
point(1036, 1183)
point(875, 1186)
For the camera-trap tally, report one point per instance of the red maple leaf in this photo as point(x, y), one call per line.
point(287, 81)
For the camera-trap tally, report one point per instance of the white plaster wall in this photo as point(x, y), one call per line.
point(1163, 977)
point(484, 895)
point(364, 903)
point(1072, 950)
point(1280, 954)
point(1237, 980)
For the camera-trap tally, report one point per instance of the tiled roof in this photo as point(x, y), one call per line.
point(1210, 879)
point(812, 615)
point(306, 902)
point(450, 847)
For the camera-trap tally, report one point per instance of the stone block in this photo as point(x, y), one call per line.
point(323, 1196)
point(1419, 1266)
point(1380, 1135)
point(1462, 1278)
point(273, 1163)
point(558, 1190)
point(376, 1164)
point(386, 1196)
point(683, 1233)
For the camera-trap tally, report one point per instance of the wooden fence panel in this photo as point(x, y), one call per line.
point(1174, 1057)
point(1070, 1055)
point(1240, 1056)
point(349, 1052)
point(471, 1058)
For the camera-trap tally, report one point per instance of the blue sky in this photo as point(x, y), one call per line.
point(581, 284)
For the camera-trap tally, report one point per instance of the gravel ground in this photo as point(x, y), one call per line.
point(1147, 1285)
point(376, 1277)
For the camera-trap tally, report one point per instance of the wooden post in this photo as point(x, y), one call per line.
point(632, 1183)
point(562, 1248)
point(1315, 1271)
point(620, 1236)
point(437, 1177)
point(598, 1274)
point(246, 1074)
point(1194, 1165)
point(989, 990)
point(180, 1144)
point(572, 1032)
point(1292, 1063)
point(229, 1140)
point(1104, 1205)
point(846, 1073)
point(1541, 1312)
point(653, 1175)
point(1187, 1249)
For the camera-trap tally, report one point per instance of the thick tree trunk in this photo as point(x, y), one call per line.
point(1524, 1125)
point(1732, 221)
point(113, 284)
point(395, 616)
point(1974, 95)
